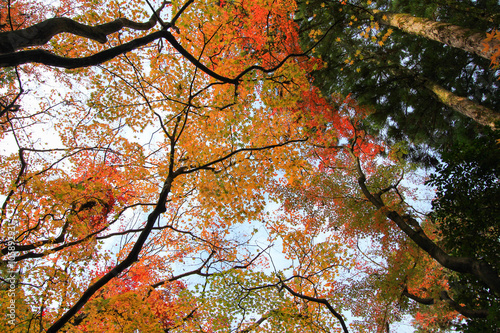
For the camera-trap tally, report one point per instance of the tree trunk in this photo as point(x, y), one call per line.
point(479, 113)
point(449, 34)
point(463, 105)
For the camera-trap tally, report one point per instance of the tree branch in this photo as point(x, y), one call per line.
point(411, 228)
point(40, 33)
point(317, 300)
point(127, 262)
point(470, 313)
point(208, 165)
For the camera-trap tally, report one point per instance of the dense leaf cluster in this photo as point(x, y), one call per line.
point(466, 213)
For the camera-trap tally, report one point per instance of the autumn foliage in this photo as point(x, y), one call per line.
point(172, 167)
point(493, 36)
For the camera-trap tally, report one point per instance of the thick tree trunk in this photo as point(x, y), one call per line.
point(477, 112)
point(463, 105)
point(449, 34)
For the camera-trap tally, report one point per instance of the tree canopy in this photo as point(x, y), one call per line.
point(249, 166)
point(415, 62)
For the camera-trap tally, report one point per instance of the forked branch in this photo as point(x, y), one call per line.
point(410, 226)
point(323, 301)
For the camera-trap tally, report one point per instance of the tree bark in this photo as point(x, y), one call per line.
point(463, 105)
point(477, 112)
point(449, 34)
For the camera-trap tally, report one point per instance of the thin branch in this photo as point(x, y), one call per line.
point(208, 165)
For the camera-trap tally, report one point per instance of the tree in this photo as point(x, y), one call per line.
point(449, 34)
point(169, 127)
point(346, 190)
point(419, 65)
point(198, 176)
point(417, 85)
